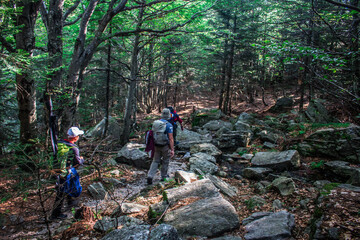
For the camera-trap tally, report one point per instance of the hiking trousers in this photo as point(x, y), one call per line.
point(161, 156)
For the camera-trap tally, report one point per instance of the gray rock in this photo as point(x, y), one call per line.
point(341, 143)
point(269, 145)
point(277, 204)
point(269, 226)
point(202, 188)
point(242, 127)
point(228, 238)
point(283, 104)
point(114, 129)
point(345, 171)
point(284, 185)
point(204, 162)
point(97, 191)
point(187, 177)
point(277, 160)
point(207, 148)
point(246, 118)
point(142, 232)
point(215, 125)
point(268, 136)
point(321, 183)
point(132, 155)
point(108, 223)
point(206, 217)
point(223, 186)
point(256, 173)
point(204, 156)
point(202, 116)
point(317, 113)
point(232, 140)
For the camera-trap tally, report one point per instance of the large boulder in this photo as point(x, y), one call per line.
point(344, 171)
point(189, 138)
point(205, 162)
point(202, 116)
point(206, 217)
point(207, 148)
point(97, 191)
point(199, 189)
point(144, 232)
point(108, 223)
point(132, 155)
point(232, 140)
point(283, 104)
point(286, 186)
point(215, 125)
point(277, 161)
point(224, 187)
point(340, 143)
point(269, 226)
point(256, 173)
point(317, 113)
point(114, 129)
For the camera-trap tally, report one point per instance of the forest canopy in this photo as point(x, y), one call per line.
point(95, 59)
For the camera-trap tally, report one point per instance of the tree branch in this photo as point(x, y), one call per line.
point(344, 5)
point(70, 10)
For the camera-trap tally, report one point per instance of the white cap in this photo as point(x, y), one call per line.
point(74, 132)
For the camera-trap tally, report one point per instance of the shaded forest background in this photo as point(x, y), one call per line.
point(96, 59)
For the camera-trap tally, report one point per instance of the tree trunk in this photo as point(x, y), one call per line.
point(132, 88)
point(223, 69)
point(107, 94)
point(355, 49)
point(26, 91)
point(229, 70)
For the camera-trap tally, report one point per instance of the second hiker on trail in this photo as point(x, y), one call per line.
point(164, 146)
point(174, 118)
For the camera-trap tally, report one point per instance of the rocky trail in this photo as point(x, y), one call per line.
point(248, 176)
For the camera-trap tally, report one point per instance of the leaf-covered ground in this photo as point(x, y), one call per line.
point(22, 217)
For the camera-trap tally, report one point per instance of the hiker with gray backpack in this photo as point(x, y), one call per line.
point(162, 132)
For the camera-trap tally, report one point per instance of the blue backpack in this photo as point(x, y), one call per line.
point(72, 184)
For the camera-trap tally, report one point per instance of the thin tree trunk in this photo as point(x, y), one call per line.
point(132, 88)
point(108, 79)
point(223, 69)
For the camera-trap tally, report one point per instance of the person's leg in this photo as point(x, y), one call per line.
point(155, 163)
point(59, 200)
point(175, 132)
point(165, 162)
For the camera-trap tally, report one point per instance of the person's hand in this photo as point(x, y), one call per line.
point(182, 128)
point(172, 153)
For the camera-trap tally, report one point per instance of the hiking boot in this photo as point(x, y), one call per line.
point(149, 181)
point(164, 179)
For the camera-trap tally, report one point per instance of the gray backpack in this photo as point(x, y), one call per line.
point(160, 137)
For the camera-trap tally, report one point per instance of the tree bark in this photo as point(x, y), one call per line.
point(223, 69)
point(107, 93)
point(26, 91)
point(132, 87)
point(229, 70)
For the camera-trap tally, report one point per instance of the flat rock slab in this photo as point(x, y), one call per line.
point(207, 217)
point(277, 160)
point(142, 232)
point(269, 226)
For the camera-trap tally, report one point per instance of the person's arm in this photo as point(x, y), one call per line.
point(180, 121)
point(78, 160)
point(171, 141)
